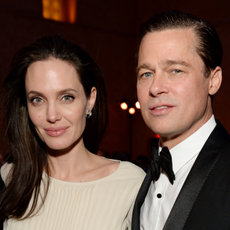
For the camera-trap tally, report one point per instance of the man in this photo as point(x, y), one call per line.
point(178, 73)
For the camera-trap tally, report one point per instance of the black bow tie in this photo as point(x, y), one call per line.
point(162, 161)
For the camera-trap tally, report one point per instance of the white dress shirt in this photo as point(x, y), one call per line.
point(162, 194)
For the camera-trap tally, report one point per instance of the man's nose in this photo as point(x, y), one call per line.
point(158, 85)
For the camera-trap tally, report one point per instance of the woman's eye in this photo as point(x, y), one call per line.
point(67, 98)
point(36, 100)
point(146, 75)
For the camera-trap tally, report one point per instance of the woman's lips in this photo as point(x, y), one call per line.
point(57, 131)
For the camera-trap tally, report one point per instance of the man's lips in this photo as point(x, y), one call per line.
point(160, 109)
point(56, 131)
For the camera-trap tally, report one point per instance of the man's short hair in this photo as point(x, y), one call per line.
point(208, 47)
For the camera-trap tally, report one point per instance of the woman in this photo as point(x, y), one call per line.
point(56, 112)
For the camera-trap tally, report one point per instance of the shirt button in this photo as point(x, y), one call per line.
point(159, 195)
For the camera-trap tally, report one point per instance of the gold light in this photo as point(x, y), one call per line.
point(137, 104)
point(60, 10)
point(132, 110)
point(124, 105)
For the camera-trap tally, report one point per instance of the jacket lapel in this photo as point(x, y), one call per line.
point(209, 155)
point(140, 199)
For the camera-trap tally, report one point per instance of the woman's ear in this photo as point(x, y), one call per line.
point(215, 80)
point(92, 98)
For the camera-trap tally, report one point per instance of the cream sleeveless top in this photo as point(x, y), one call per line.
point(104, 204)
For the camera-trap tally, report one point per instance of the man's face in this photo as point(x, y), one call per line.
point(172, 89)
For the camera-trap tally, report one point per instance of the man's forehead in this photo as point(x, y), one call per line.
point(174, 45)
point(181, 34)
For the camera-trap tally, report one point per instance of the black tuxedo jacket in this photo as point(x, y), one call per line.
point(204, 200)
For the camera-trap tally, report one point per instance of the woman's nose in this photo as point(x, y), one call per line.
point(53, 113)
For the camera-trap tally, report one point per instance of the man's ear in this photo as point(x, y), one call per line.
point(215, 80)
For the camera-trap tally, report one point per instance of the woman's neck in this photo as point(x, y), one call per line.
point(67, 164)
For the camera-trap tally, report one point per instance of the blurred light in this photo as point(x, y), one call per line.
point(132, 110)
point(52, 9)
point(137, 104)
point(72, 11)
point(157, 136)
point(60, 10)
point(124, 106)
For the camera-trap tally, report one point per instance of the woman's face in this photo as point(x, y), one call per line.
point(57, 103)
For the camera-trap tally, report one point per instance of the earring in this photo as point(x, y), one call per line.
point(89, 114)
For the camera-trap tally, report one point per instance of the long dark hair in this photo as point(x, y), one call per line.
point(27, 152)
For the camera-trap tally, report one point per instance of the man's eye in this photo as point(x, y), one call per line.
point(148, 74)
point(176, 71)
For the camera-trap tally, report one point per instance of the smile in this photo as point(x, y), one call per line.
point(159, 110)
point(56, 132)
point(161, 107)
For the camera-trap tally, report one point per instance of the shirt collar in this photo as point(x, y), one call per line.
point(190, 147)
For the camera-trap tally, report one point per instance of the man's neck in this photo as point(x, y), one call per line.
point(174, 139)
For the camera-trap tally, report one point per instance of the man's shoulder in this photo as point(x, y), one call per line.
point(219, 135)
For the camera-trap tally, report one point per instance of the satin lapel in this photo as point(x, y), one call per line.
point(209, 155)
point(140, 199)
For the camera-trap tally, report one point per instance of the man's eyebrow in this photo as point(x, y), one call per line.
point(143, 66)
point(175, 62)
point(164, 63)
